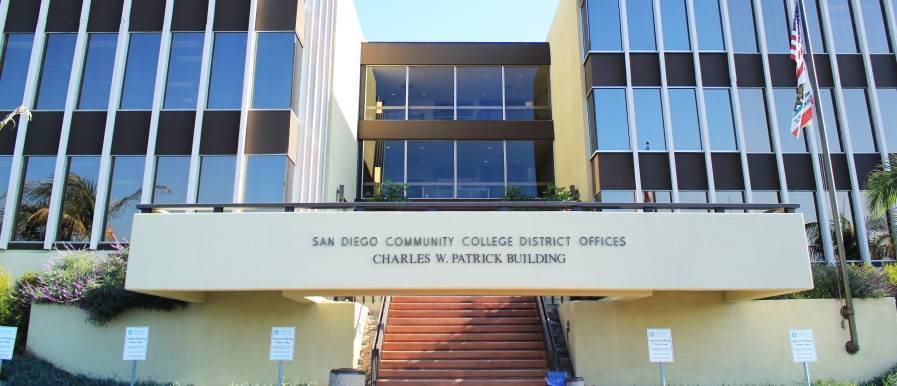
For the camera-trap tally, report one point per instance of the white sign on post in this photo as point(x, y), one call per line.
point(660, 345)
point(803, 347)
point(136, 339)
point(7, 342)
point(283, 340)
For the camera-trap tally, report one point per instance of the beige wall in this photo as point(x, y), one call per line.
point(571, 143)
point(222, 341)
point(19, 263)
point(715, 342)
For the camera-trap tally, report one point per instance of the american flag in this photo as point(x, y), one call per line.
point(803, 106)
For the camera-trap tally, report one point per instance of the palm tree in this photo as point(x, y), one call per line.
point(881, 188)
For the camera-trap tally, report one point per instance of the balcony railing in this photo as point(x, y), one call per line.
point(470, 206)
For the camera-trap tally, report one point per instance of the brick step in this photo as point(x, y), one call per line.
point(490, 337)
point(462, 299)
point(483, 328)
point(504, 354)
point(534, 381)
point(462, 314)
point(464, 364)
point(464, 321)
point(462, 306)
point(461, 373)
point(427, 346)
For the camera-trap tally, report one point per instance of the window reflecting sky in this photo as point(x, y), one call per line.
point(649, 119)
point(57, 67)
point(97, 78)
point(14, 69)
point(710, 28)
point(216, 179)
point(267, 178)
point(5, 167)
point(612, 124)
point(720, 124)
point(784, 102)
point(124, 195)
point(641, 25)
point(183, 70)
point(140, 71)
point(888, 97)
point(684, 116)
point(604, 25)
point(858, 120)
point(273, 87)
point(778, 35)
point(754, 122)
point(171, 179)
point(226, 78)
point(842, 26)
point(874, 20)
point(675, 25)
point(741, 17)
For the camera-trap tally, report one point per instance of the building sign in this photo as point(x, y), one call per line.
point(136, 340)
point(803, 347)
point(660, 345)
point(283, 340)
point(7, 342)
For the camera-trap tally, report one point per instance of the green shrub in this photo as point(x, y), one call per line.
point(29, 370)
point(831, 382)
point(891, 272)
point(390, 192)
point(551, 193)
point(866, 281)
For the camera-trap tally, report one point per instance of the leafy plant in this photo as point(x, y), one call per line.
point(891, 272)
point(866, 281)
point(29, 370)
point(390, 192)
point(551, 193)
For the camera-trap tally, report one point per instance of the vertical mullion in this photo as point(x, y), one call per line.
point(248, 74)
point(407, 89)
point(306, 97)
point(455, 161)
point(4, 10)
point(872, 88)
point(201, 104)
point(18, 159)
point(630, 106)
point(699, 94)
point(71, 101)
point(149, 172)
point(665, 102)
point(455, 73)
point(303, 154)
point(321, 150)
point(504, 155)
point(736, 102)
point(504, 103)
point(118, 72)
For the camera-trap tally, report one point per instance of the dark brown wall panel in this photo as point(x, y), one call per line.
point(276, 15)
point(105, 16)
point(727, 171)
point(483, 130)
point(884, 67)
point(86, 136)
point(749, 69)
point(853, 74)
point(606, 70)
point(782, 70)
point(8, 135)
point(190, 15)
point(231, 15)
point(175, 135)
point(147, 15)
point(42, 137)
point(680, 69)
point(268, 132)
point(220, 132)
point(839, 168)
point(131, 132)
point(691, 171)
point(22, 15)
point(615, 171)
point(865, 164)
point(645, 69)
point(824, 71)
point(455, 53)
point(763, 171)
point(798, 172)
point(63, 16)
point(715, 70)
point(654, 170)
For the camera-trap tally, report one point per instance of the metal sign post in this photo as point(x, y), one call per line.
point(279, 373)
point(807, 374)
point(663, 376)
point(133, 372)
point(283, 340)
point(660, 349)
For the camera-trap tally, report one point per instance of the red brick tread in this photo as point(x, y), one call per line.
point(460, 373)
point(464, 364)
point(461, 299)
point(493, 337)
point(464, 321)
point(419, 346)
point(474, 329)
point(463, 382)
point(484, 354)
point(461, 313)
point(462, 306)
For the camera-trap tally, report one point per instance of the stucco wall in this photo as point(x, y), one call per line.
point(222, 341)
point(19, 262)
point(716, 342)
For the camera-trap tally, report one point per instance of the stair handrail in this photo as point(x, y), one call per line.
point(377, 348)
point(550, 346)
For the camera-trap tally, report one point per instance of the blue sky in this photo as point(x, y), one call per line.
point(456, 20)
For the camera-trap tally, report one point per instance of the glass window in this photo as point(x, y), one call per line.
point(226, 78)
point(124, 195)
point(78, 199)
point(827, 105)
point(140, 72)
point(171, 180)
point(611, 122)
point(97, 79)
point(814, 21)
point(649, 119)
point(431, 166)
point(530, 165)
point(14, 69)
point(741, 18)
point(693, 197)
point(729, 197)
point(710, 28)
point(846, 213)
point(57, 69)
point(431, 93)
point(887, 98)
point(807, 202)
point(842, 26)
point(274, 61)
point(481, 169)
point(858, 121)
point(527, 93)
point(216, 179)
point(784, 101)
point(383, 162)
point(268, 178)
point(641, 25)
point(5, 167)
point(34, 201)
point(183, 70)
point(616, 196)
point(675, 25)
point(479, 93)
point(765, 196)
point(684, 116)
point(385, 93)
point(754, 123)
point(604, 25)
point(876, 30)
point(720, 125)
point(776, 21)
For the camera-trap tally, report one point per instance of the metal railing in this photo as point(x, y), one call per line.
point(468, 206)
point(377, 347)
point(550, 344)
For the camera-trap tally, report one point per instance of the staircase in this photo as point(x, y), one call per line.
point(463, 340)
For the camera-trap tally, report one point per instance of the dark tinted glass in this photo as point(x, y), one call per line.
point(479, 93)
point(385, 93)
point(171, 180)
point(124, 195)
point(384, 162)
point(874, 20)
point(641, 25)
point(649, 120)
point(888, 97)
point(675, 25)
point(604, 25)
point(140, 72)
point(684, 116)
point(14, 69)
point(431, 94)
point(431, 169)
point(754, 122)
point(741, 18)
point(5, 167)
point(78, 199)
point(784, 101)
point(775, 19)
point(720, 124)
point(57, 68)
point(832, 128)
point(183, 70)
point(267, 178)
point(842, 26)
point(34, 202)
point(274, 58)
point(524, 163)
point(481, 169)
point(858, 121)
point(226, 79)
point(527, 93)
point(710, 28)
point(97, 79)
point(216, 179)
point(611, 122)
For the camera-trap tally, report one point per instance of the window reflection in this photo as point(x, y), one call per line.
point(431, 169)
point(140, 71)
point(5, 167)
point(216, 179)
point(14, 69)
point(275, 55)
point(431, 93)
point(741, 18)
point(775, 19)
point(675, 25)
point(34, 201)
point(183, 70)
point(693, 197)
point(383, 162)
point(858, 121)
point(832, 127)
point(721, 126)
point(385, 93)
point(171, 179)
point(709, 26)
point(479, 93)
point(530, 166)
point(527, 93)
point(888, 97)
point(754, 122)
point(641, 25)
point(813, 19)
point(57, 68)
point(481, 169)
point(124, 195)
point(842, 26)
point(649, 120)
point(97, 79)
point(684, 116)
point(611, 121)
point(603, 24)
point(784, 101)
point(78, 199)
point(268, 178)
point(876, 32)
point(226, 78)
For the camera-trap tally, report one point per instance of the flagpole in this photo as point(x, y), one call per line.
point(847, 311)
